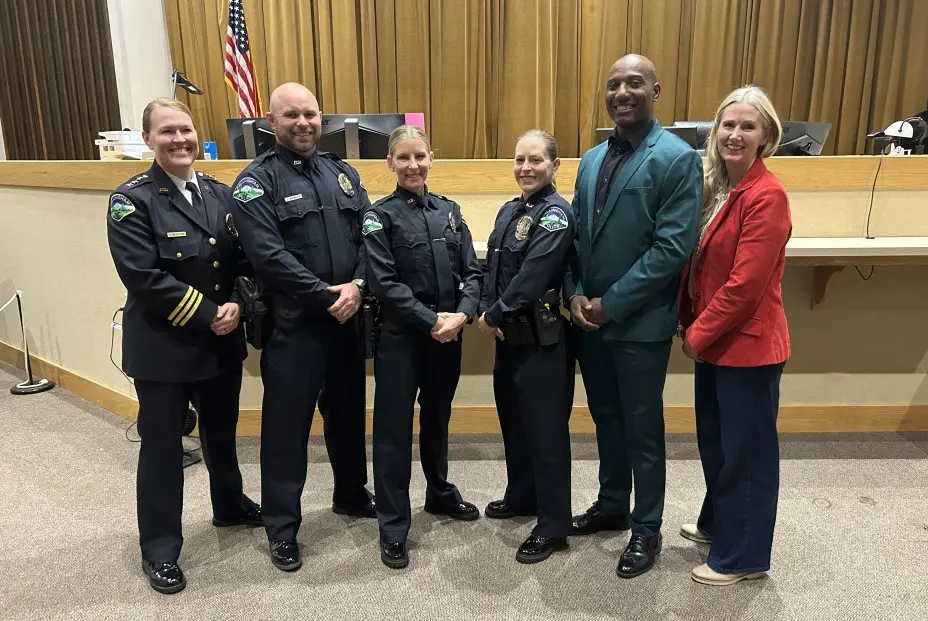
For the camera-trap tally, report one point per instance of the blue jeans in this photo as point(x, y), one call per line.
point(736, 427)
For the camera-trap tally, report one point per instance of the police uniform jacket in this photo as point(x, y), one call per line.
point(178, 264)
point(421, 259)
point(528, 253)
point(299, 222)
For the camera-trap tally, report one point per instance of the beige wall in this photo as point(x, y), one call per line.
point(141, 56)
point(866, 345)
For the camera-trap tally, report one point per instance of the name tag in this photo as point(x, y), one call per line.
point(177, 234)
point(293, 198)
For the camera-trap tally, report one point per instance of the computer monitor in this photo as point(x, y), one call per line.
point(358, 136)
point(803, 138)
point(349, 136)
point(249, 138)
point(689, 135)
point(702, 131)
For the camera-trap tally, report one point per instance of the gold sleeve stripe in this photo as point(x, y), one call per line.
point(183, 302)
point(194, 305)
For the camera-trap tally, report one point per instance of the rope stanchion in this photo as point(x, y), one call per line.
point(32, 385)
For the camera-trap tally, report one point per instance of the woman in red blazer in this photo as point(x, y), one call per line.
point(734, 328)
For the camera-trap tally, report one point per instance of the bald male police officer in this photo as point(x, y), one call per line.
point(298, 212)
point(174, 247)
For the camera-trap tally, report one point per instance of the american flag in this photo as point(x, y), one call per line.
point(240, 71)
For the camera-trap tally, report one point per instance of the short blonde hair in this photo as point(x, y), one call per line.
point(162, 102)
point(405, 132)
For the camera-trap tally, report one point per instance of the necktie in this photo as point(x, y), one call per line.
point(196, 201)
point(342, 262)
point(446, 297)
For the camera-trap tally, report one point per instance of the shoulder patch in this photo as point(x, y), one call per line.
point(247, 189)
point(554, 219)
point(371, 223)
point(120, 207)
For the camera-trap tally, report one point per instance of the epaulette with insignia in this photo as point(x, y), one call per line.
point(137, 180)
point(386, 198)
point(444, 198)
point(329, 155)
point(207, 177)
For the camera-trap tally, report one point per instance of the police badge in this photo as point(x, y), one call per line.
point(230, 225)
point(345, 183)
point(452, 223)
point(523, 227)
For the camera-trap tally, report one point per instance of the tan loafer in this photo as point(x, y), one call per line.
point(706, 575)
point(692, 532)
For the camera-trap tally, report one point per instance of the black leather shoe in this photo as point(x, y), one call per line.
point(500, 510)
point(365, 510)
point(252, 517)
point(165, 578)
point(394, 555)
point(286, 555)
point(461, 511)
point(538, 547)
point(595, 520)
point(639, 555)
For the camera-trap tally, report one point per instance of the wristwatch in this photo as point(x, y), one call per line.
point(361, 283)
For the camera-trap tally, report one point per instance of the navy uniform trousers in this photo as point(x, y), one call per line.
point(533, 386)
point(736, 427)
point(408, 362)
point(318, 360)
point(160, 478)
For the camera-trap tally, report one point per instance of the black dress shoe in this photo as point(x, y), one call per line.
point(595, 520)
point(394, 555)
point(252, 517)
point(286, 555)
point(364, 510)
point(461, 511)
point(165, 578)
point(500, 510)
point(538, 547)
point(639, 555)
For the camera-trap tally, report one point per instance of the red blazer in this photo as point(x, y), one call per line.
point(735, 316)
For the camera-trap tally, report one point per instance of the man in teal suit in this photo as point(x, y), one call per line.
point(637, 202)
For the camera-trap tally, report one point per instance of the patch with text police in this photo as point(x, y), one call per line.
point(247, 189)
point(371, 223)
point(554, 220)
point(120, 207)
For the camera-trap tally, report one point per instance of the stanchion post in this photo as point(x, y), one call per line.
point(32, 385)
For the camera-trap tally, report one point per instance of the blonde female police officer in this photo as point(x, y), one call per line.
point(527, 256)
point(424, 271)
point(176, 252)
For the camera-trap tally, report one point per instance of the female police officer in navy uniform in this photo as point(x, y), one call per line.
point(527, 255)
point(176, 252)
point(423, 269)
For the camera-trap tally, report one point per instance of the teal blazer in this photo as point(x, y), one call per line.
point(646, 232)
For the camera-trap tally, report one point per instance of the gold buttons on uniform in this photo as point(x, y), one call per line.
point(215, 263)
point(180, 254)
point(217, 287)
point(212, 241)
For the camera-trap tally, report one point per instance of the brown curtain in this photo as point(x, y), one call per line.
point(483, 71)
point(57, 78)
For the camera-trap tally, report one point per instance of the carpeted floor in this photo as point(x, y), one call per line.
point(851, 543)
